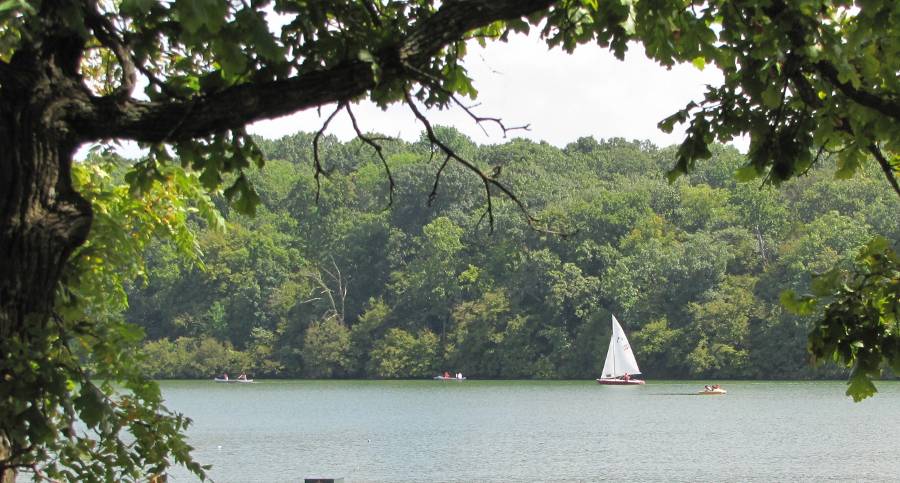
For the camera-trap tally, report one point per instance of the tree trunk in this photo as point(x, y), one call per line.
point(42, 219)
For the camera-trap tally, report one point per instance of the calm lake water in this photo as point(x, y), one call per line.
point(539, 431)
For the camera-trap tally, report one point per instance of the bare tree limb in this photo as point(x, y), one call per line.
point(890, 172)
point(487, 181)
point(482, 119)
point(437, 179)
point(341, 287)
point(316, 160)
point(433, 83)
point(378, 150)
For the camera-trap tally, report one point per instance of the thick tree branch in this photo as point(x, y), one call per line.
point(243, 104)
point(455, 19)
point(886, 106)
point(237, 106)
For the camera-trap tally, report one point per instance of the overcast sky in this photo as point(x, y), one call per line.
point(561, 96)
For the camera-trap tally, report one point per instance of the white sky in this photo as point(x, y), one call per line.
point(561, 96)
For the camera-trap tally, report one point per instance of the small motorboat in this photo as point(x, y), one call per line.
point(713, 391)
point(243, 381)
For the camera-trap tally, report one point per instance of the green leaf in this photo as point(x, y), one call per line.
point(859, 386)
point(746, 173)
point(134, 8)
point(771, 96)
point(796, 304)
point(91, 405)
point(699, 62)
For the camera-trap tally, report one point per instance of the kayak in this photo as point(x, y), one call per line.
point(243, 381)
point(442, 378)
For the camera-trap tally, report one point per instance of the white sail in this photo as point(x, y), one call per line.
point(619, 357)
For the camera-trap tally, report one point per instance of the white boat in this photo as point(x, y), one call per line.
point(620, 364)
point(713, 391)
point(243, 381)
point(450, 377)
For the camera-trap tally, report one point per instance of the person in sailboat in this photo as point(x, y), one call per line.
point(626, 377)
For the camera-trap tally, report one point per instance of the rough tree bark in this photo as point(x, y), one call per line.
point(42, 219)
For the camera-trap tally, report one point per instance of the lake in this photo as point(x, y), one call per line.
point(538, 431)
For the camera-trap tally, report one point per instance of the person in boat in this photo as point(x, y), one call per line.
point(446, 375)
point(225, 376)
point(459, 375)
point(242, 377)
point(626, 377)
point(707, 387)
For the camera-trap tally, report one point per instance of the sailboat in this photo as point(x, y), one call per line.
point(620, 364)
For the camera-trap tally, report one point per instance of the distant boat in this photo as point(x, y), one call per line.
point(620, 364)
point(243, 381)
point(449, 377)
point(713, 391)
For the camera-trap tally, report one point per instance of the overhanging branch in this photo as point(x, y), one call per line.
point(888, 107)
point(243, 104)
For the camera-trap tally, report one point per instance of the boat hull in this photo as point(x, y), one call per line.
point(716, 392)
point(442, 378)
point(620, 382)
point(232, 381)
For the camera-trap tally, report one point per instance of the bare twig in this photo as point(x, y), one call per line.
point(433, 83)
point(317, 163)
point(486, 180)
point(341, 287)
point(437, 179)
point(482, 119)
point(378, 149)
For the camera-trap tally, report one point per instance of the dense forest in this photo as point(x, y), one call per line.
point(351, 281)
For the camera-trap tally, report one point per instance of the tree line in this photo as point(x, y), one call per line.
point(345, 280)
